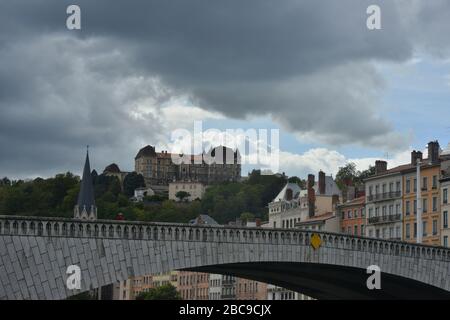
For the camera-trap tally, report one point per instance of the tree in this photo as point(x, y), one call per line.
point(164, 292)
point(366, 173)
point(346, 174)
point(131, 182)
point(247, 216)
point(301, 183)
point(181, 195)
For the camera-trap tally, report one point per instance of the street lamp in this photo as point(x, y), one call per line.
point(419, 202)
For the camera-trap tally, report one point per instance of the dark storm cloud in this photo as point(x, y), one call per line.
point(305, 63)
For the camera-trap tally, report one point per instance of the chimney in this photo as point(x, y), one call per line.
point(321, 182)
point(380, 166)
point(433, 152)
point(413, 157)
point(311, 196)
point(416, 155)
point(335, 200)
point(351, 191)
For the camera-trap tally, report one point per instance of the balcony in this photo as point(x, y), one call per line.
point(384, 219)
point(383, 196)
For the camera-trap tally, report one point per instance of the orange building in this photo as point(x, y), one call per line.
point(430, 197)
point(193, 285)
point(352, 216)
point(250, 290)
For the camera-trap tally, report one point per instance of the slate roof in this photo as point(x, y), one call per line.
point(147, 151)
point(282, 195)
point(205, 219)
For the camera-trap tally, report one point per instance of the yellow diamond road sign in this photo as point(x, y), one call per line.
point(316, 241)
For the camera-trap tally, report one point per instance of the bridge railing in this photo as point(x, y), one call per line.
point(112, 229)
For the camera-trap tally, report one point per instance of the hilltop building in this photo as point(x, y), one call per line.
point(220, 164)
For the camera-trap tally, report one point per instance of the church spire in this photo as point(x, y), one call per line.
point(85, 207)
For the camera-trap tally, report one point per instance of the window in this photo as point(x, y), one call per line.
point(435, 200)
point(349, 214)
point(370, 190)
point(384, 233)
point(415, 206)
point(355, 213)
point(362, 230)
point(407, 208)
point(391, 232)
point(445, 241)
point(377, 189)
point(424, 183)
point(445, 219)
point(407, 231)
point(383, 188)
point(370, 212)
point(415, 185)
point(370, 233)
point(425, 205)
point(391, 187)
point(391, 209)
point(434, 182)
point(415, 229)
point(445, 196)
point(435, 231)
point(397, 208)
point(349, 230)
point(377, 233)
point(424, 228)
point(355, 230)
point(398, 186)
point(397, 232)
point(408, 186)
point(384, 210)
point(377, 211)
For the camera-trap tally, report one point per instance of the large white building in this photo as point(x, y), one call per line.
point(384, 203)
point(294, 207)
point(194, 189)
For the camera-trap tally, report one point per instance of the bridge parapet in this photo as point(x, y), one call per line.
point(112, 229)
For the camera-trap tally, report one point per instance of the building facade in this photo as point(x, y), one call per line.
point(293, 207)
point(445, 203)
point(429, 197)
point(384, 203)
point(193, 285)
point(218, 165)
point(352, 216)
point(194, 189)
point(250, 290)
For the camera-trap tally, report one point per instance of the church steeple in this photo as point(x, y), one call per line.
point(85, 207)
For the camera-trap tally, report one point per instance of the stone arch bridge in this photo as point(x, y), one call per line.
point(35, 253)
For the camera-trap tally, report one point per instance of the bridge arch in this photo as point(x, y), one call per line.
point(109, 251)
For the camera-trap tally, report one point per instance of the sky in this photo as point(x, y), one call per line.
point(139, 70)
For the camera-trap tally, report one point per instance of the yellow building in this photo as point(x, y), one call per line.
point(429, 193)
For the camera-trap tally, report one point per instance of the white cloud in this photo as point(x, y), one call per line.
point(329, 161)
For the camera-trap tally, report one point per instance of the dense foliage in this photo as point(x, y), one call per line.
point(349, 173)
point(57, 196)
point(164, 292)
point(225, 202)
